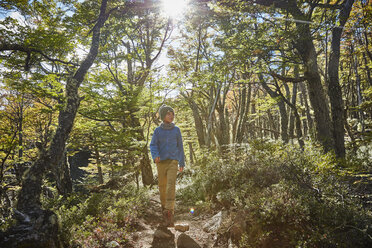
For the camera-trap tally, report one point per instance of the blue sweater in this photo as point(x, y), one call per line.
point(167, 144)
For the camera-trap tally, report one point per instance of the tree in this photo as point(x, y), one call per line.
point(28, 206)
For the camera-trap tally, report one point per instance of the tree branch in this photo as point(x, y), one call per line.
point(28, 51)
point(287, 79)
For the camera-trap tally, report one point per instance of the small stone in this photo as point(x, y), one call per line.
point(182, 227)
point(112, 244)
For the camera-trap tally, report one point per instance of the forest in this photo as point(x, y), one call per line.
point(273, 99)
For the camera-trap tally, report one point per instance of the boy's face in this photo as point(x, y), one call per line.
point(169, 117)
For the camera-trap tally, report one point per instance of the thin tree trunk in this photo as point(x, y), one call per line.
point(303, 113)
point(282, 110)
point(309, 119)
point(297, 117)
point(210, 117)
point(359, 92)
point(192, 154)
point(334, 88)
point(98, 162)
point(197, 120)
point(292, 116)
point(242, 99)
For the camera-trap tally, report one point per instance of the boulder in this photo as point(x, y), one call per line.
point(163, 238)
point(185, 241)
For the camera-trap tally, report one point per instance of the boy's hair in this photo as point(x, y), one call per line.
point(163, 110)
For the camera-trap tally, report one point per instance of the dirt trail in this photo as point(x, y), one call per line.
point(144, 236)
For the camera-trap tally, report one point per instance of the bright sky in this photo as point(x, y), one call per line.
point(174, 8)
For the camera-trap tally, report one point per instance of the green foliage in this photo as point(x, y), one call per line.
point(290, 198)
point(101, 217)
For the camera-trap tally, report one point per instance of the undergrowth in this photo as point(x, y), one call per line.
point(100, 219)
point(290, 198)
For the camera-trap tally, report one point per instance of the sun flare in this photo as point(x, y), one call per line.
point(174, 8)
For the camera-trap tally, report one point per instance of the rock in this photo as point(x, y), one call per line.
point(112, 244)
point(182, 227)
point(185, 241)
point(39, 228)
point(163, 238)
point(214, 223)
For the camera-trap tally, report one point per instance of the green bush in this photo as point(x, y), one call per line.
point(103, 217)
point(291, 198)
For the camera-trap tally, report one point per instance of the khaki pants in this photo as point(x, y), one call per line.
point(167, 174)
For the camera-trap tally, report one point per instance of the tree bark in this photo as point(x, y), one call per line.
point(292, 115)
point(309, 118)
point(244, 113)
point(334, 88)
point(98, 162)
point(63, 177)
point(198, 122)
point(305, 47)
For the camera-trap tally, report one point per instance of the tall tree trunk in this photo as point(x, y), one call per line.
point(242, 99)
point(292, 116)
point(359, 92)
point(334, 88)
point(306, 49)
point(198, 122)
point(223, 129)
point(252, 128)
point(191, 153)
point(297, 119)
point(38, 227)
point(98, 162)
point(244, 114)
point(63, 176)
point(309, 119)
point(211, 115)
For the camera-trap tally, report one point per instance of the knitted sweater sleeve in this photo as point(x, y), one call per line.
point(154, 149)
point(181, 160)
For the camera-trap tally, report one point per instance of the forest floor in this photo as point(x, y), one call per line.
point(195, 237)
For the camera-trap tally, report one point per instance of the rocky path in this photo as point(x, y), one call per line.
point(150, 235)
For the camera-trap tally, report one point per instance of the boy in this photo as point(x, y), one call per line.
point(167, 152)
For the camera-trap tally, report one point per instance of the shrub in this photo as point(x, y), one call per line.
point(292, 198)
point(100, 218)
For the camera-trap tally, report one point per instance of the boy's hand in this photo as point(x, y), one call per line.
point(180, 169)
point(157, 160)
